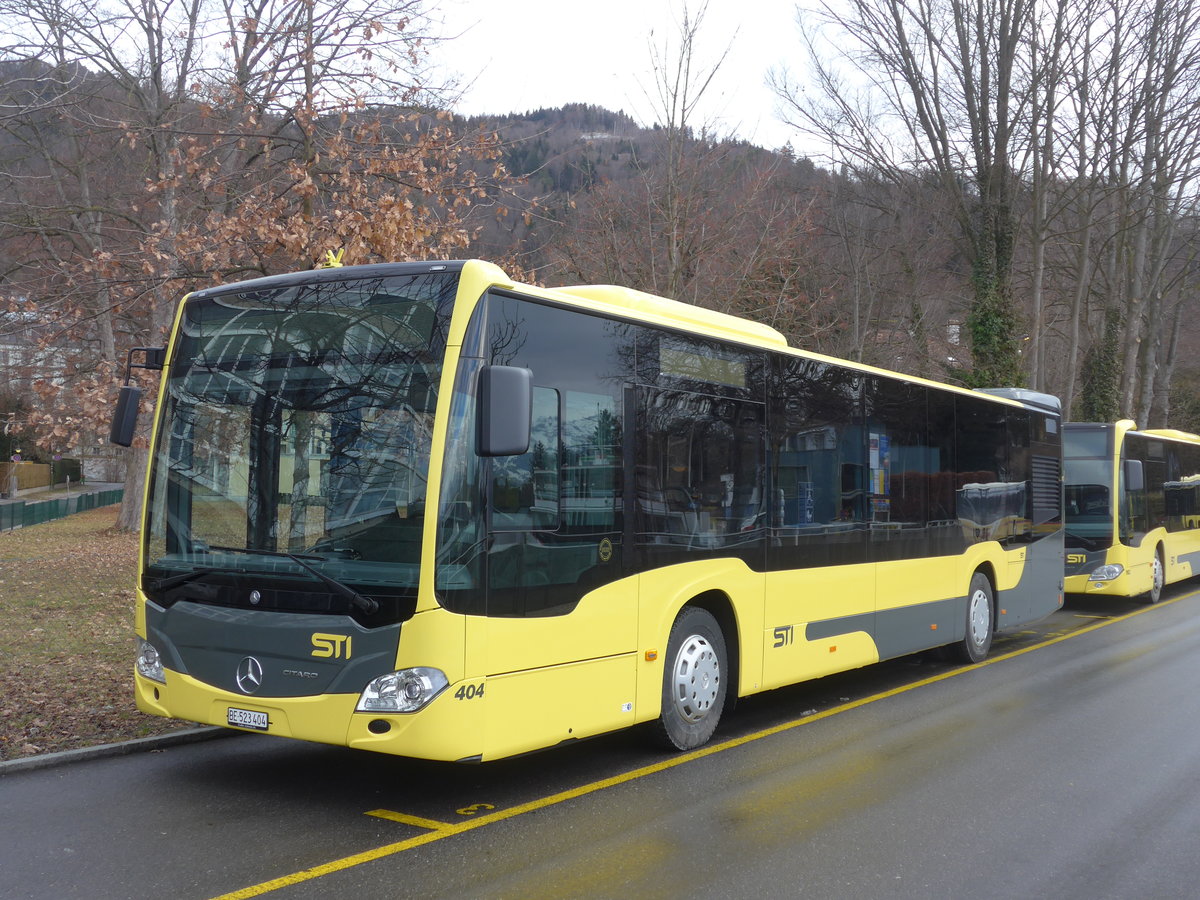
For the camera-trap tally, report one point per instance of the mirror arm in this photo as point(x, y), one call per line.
point(155, 360)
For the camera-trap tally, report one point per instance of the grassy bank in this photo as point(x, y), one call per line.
point(66, 637)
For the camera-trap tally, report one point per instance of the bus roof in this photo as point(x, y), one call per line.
point(639, 301)
point(1173, 434)
point(1128, 426)
point(638, 304)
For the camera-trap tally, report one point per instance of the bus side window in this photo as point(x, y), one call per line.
point(819, 461)
point(525, 488)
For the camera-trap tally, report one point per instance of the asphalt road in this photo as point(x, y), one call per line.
point(1066, 766)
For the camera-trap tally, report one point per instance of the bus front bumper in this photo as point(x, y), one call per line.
point(443, 730)
point(1111, 580)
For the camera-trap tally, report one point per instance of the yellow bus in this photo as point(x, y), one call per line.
point(421, 509)
point(1132, 508)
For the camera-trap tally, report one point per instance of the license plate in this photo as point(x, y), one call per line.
point(247, 718)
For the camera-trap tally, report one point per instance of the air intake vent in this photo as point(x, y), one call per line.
point(1047, 489)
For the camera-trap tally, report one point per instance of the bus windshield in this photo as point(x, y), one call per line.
point(1088, 504)
point(298, 420)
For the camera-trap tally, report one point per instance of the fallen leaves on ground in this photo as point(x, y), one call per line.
point(66, 637)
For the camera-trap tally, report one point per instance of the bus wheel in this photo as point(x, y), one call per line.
point(980, 624)
point(1158, 577)
point(694, 680)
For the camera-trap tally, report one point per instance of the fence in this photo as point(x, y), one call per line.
point(64, 470)
point(29, 475)
point(22, 514)
point(23, 476)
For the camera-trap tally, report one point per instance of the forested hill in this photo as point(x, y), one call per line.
point(860, 268)
point(572, 148)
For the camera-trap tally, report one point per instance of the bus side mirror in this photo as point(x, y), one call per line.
point(1134, 479)
point(504, 411)
point(124, 423)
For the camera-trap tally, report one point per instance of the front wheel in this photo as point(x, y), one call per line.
point(1158, 578)
point(977, 641)
point(695, 680)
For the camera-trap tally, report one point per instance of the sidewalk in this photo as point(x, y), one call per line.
point(153, 744)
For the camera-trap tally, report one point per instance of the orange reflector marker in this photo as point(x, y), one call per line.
point(833, 648)
point(1004, 612)
point(651, 655)
point(933, 627)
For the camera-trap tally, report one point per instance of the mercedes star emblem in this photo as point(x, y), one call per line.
point(249, 675)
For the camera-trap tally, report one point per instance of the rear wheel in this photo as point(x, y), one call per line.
point(977, 641)
point(695, 679)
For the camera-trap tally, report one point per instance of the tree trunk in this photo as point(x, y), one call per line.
point(129, 516)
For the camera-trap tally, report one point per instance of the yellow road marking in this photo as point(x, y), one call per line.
point(404, 819)
point(440, 830)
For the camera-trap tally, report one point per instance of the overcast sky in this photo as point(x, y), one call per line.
point(519, 55)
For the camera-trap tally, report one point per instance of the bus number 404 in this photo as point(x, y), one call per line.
point(469, 692)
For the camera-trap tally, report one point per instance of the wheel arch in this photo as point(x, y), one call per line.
point(988, 571)
point(719, 605)
point(729, 591)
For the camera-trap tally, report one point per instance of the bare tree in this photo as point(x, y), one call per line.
point(1138, 149)
point(688, 150)
point(1064, 136)
point(1047, 61)
point(945, 74)
point(705, 219)
point(251, 135)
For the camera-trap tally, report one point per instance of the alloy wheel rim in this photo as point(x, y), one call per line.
point(696, 680)
point(981, 616)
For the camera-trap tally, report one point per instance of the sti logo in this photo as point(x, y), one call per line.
point(1076, 558)
point(335, 646)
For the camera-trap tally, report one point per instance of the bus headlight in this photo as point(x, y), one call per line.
point(149, 664)
point(1106, 573)
point(403, 692)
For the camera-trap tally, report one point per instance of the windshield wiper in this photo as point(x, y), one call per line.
point(366, 604)
point(165, 584)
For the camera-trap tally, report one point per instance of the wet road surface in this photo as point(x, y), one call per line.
point(1067, 765)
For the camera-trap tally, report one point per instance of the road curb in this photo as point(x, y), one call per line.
point(121, 748)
